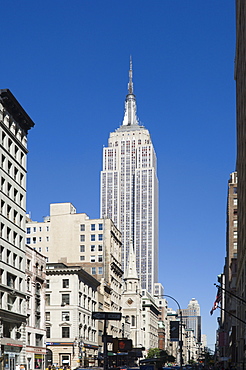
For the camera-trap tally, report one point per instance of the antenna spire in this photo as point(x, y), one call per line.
point(130, 116)
point(130, 84)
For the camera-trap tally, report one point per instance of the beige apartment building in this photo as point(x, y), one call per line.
point(72, 334)
point(66, 236)
point(14, 126)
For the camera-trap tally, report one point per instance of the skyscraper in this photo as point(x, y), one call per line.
point(129, 190)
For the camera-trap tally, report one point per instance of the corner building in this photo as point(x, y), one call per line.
point(14, 126)
point(129, 191)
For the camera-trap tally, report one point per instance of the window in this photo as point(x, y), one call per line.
point(235, 190)
point(100, 270)
point(100, 236)
point(234, 234)
point(100, 248)
point(93, 237)
point(9, 189)
point(34, 240)
point(28, 284)
point(47, 284)
point(11, 280)
point(47, 299)
point(40, 239)
point(47, 316)
point(28, 262)
point(82, 238)
point(100, 258)
point(235, 223)
point(100, 227)
point(93, 271)
point(82, 227)
point(28, 240)
point(93, 227)
point(82, 258)
point(29, 338)
point(65, 283)
point(93, 258)
point(34, 229)
point(39, 340)
point(235, 245)
point(28, 230)
point(82, 248)
point(14, 259)
point(65, 299)
point(47, 331)
point(40, 228)
point(93, 248)
point(235, 201)
point(133, 320)
point(65, 332)
point(65, 316)
point(8, 256)
point(47, 238)
point(47, 228)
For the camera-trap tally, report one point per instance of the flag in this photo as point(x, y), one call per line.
point(217, 300)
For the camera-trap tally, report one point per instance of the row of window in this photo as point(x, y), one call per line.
point(11, 258)
point(93, 248)
point(11, 213)
point(35, 229)
point(66, 316)
point(94, 227)
point(14, 128)
point(12, 171)
point(92, 237)
point(65, 333)
point(65, 283)
point(12, 192)
point(12, 149)
point(34, 240)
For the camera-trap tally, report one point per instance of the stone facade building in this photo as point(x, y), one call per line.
point(14, 126)
point(240, 77)
point(72, 334)
point(35, 331)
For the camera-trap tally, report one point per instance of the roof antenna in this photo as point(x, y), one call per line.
point(130, 84)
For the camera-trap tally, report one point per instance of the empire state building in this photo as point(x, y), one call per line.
point(129, 190)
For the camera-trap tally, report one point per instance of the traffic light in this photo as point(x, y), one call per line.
point(122, 345)
point(174, 331)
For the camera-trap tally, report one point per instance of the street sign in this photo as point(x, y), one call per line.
point(106, 315)
point(174, 331)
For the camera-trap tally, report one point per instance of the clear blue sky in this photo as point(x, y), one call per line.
point(67, 63)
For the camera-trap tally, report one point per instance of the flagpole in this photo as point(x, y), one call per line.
point(232, 314)
point(227, 291)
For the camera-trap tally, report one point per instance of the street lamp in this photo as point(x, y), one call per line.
point(180, 331)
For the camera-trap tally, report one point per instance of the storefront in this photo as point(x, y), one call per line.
point(35, 358)
point(11, 356)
